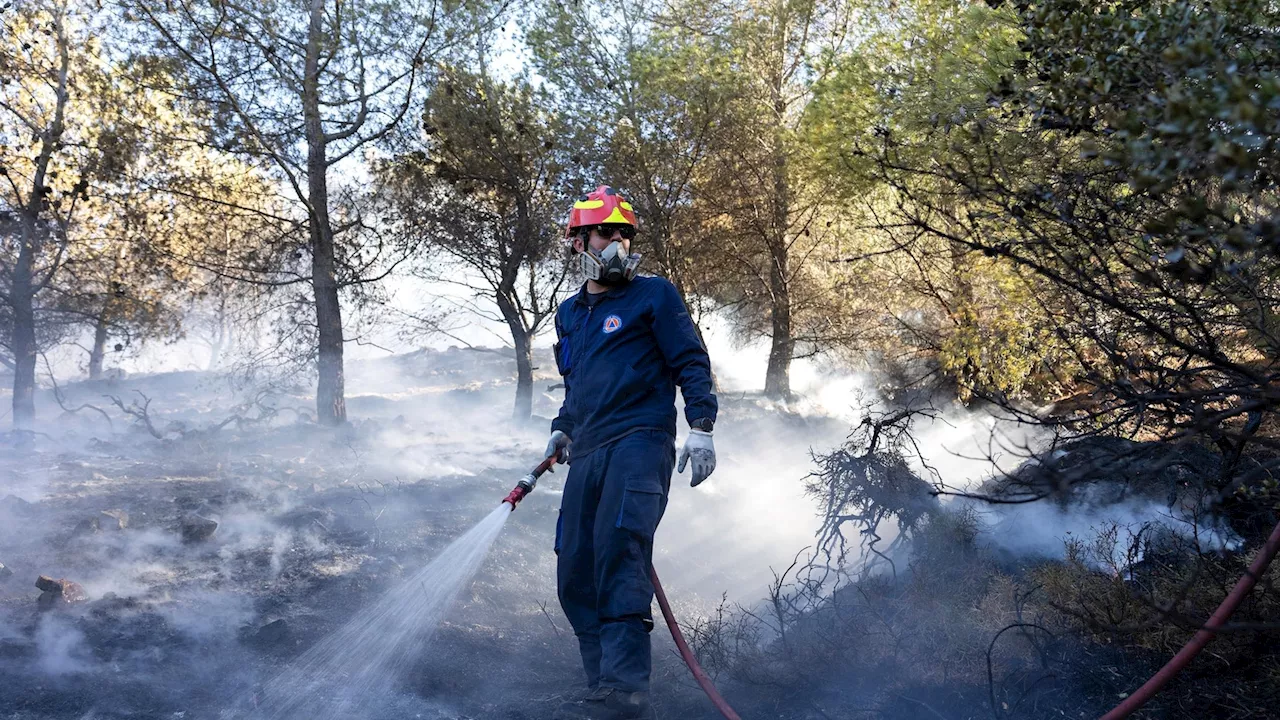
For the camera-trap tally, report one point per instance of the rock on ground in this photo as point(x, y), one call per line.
point(58, 592)
point(196, 528)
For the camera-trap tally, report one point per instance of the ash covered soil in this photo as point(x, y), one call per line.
point(202, 562)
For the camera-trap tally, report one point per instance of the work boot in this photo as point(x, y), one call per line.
point(629, 705)
point(587, 705)
point(607, 704)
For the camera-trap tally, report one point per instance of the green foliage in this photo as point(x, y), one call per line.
point(928, 65)
point(488, 188)
point(1047, 176)
point(917, 78)
point(499, 162)
point(1181, 99)
point(71, 198)
point(642, 122)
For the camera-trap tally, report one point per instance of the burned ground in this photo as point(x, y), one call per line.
point(210, 560)
point(185, 618)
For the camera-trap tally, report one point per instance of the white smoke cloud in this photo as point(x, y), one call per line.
point(62, 649)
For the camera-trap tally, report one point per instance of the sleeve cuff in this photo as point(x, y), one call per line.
point(692, 415)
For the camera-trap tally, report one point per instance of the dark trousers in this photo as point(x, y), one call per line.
point(613, 499)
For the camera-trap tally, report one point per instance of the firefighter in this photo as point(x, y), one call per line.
point(625, 341)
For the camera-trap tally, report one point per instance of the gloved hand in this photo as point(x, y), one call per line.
point(703, 451)
point(559, 443)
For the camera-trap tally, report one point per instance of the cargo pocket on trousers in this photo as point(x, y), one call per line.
point(642, 505)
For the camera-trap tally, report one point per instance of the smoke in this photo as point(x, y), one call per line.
point(205, 616)
point(1046, 529)
point(356, 666)
point(956, 448)
point(315, 524)
point(62, 648)
point(752, 519)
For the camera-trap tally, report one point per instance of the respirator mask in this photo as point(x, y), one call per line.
point(610, 266)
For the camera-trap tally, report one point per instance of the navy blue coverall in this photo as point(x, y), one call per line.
point(621, 354)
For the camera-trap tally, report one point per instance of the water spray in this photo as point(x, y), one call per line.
point(352, 672)
point(526, 486)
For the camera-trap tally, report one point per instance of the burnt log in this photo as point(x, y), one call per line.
point(88, 526)
point(272, 633)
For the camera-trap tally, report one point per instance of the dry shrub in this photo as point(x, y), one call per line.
point(935, 618)
point(879, 636)
point(1110, 592)
point(954, 626)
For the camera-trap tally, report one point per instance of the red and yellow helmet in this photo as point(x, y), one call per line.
point(600, 207)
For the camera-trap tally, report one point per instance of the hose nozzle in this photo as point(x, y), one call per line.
point(529, 482)
point(522, 488)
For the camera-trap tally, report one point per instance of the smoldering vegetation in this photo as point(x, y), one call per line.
point(209, 556)
point(219, 536)
point(1053, 590)
point(201, 556)
point(211, 559)
point(214, 563)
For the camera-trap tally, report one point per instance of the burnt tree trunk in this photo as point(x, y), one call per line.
point(524, 371)
point(509, 306)
point(777, 379)
point(24, 331)
point(331, 404)
point(522, 340)
point(25, 285)
point(99, 351)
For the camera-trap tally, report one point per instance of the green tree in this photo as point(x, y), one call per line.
point(644, 122)
point(64, 139)
point(1121, 171)
point(917, 73)
point(301, 88)
point(757, 195)
point(489, 189)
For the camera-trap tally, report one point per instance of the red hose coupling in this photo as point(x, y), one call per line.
point(517, 494)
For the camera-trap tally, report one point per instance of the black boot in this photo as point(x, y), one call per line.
point(629, 705)
point(607, 704)
point(588, 705)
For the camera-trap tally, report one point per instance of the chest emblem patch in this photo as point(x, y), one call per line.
point(612, 324)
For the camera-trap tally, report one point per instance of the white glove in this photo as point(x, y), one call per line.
point(559, 444)
point(699, 447)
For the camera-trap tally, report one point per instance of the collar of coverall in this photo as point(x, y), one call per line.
point(613, 292)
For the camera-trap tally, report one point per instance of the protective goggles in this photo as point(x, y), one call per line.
point(606, 231)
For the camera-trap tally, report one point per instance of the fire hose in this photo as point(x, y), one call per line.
point(1205, 634)
point(526, 486)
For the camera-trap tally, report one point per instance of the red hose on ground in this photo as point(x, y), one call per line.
point(698, 673)
point(1204, 635)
